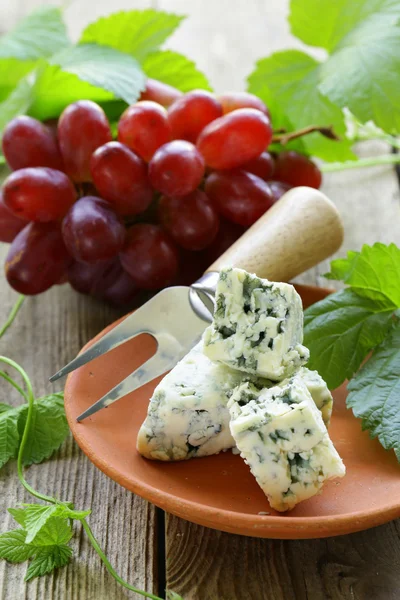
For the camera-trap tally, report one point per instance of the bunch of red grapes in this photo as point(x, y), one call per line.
point(186, 176)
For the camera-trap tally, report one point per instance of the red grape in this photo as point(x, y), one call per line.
point(295, 169)
point(120, 177)
point(10, 225)
point(233, 100)
point(119, 287)
point(262, 166)
point(92, 231)
point(177, 168)
point(144, 127)
point(87, 278)
point(105, 279)
point(29, 143)
point(82, 127)
point(38, 194)
point(227, 235)
point(191, 220)
point(37, 258)
point(191, 113)
point(239, 196)
point(159, 92)
point(150, 257)
point(235, 139)
point(278, 188)
point(192, 265)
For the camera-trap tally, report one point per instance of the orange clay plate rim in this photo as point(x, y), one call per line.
point(219, 491)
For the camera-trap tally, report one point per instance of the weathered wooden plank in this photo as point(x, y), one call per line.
point(206, 564)
point(49, 330)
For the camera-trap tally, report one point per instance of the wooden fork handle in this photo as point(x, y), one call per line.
point(299, 231)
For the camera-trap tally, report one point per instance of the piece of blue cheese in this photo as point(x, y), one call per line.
point(188, 415)
point(281, 435)
point(257, 326)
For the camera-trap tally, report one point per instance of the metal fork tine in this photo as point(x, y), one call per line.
point(158, 364)
point(122, 333)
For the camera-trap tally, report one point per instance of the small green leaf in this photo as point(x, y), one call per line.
point(103, 67)
point(17, 103)
point(340, 331)
point(136, 32)
point(40, 34)
point(318, 23)
point(9, 437)
point(56, 531)
point(4, 407)
point(18, 514)
point(12, 71)
point(290, 79)
point(55, 89)
point(13, 546)
point(375, 391)
point(374, 272)
point(47, 559)
point(176, 70)
point(36, 516)
point(49, 428)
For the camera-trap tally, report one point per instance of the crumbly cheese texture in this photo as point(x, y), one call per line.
point(257, 326)
point(188, 415)
point(281, 435)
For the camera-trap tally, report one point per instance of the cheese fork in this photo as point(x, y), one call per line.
point(299, 231)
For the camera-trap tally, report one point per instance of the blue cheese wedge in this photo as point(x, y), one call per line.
point(281, 435)
point(319, 392)
point(188, 415)
point(257, 326)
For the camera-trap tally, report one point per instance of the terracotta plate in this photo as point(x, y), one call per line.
point(219, 491)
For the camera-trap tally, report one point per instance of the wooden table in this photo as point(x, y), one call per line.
point(148, 548)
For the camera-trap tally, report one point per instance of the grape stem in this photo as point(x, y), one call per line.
point(12, 315)
point(285, 138)
point(389, 159)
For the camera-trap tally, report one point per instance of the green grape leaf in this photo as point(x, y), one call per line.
point(47, 559)
point(17, 103)
point(48, 430)
point(317, 23)
point(9, 437)
point(290, 79)
point(340, 331)
point(136, 32)
point(103, 67)
point(375, 391)
point(12, 71)
point(374, 272)
point(363, 38)
point(36, 517)
point(40, 34)
point(13, 546)
point(56, 531)
point(18, 514)
point(175, 69)
point(55, 89)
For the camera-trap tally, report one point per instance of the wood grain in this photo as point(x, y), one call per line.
point(50, 330)
point(297, 233)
